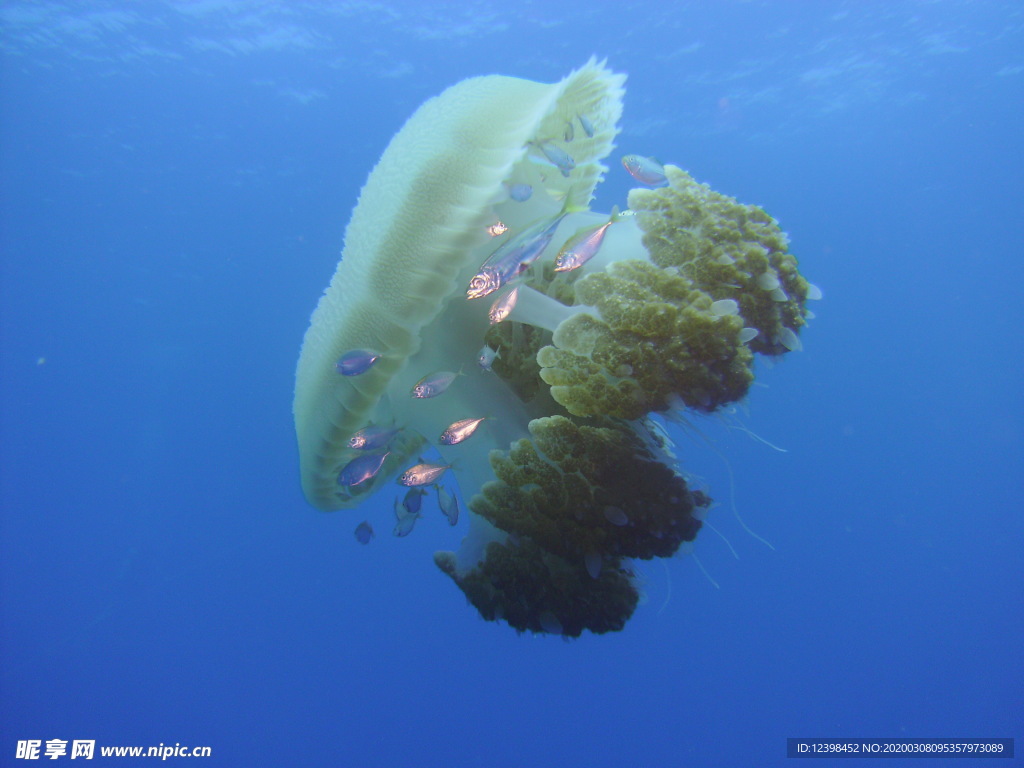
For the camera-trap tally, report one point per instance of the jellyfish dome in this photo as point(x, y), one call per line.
point(451, 250)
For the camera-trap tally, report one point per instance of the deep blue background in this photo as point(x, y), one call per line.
point(175, 181)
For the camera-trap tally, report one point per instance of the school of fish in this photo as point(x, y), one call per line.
point(503, 268)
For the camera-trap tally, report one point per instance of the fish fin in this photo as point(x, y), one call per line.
point(570, 205)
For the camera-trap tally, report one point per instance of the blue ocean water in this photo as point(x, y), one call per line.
point(175, 179)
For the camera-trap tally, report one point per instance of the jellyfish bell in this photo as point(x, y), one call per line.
point(416, 238)
point(647, 321)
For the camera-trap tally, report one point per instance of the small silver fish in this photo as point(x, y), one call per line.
point(404, 520)
point(361, 469)
point(433, 384)
point(364, 532)
point(516, 254)
point(460, 430)
point(422, 474)
point(584, 245)
point(646, 170)
point(413, 500)
point(520, 192)
point(588, 127)
point(371, 438)
point(487, 356)
point(486, 281)
point(356, 361)
point(557, 156)
point(449, 505)
point(570, 132)
point(503, 305)
point(405, 523)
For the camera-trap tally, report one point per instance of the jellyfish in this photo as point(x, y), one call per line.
point(566, 480)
